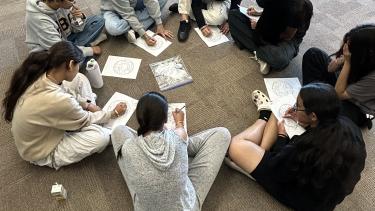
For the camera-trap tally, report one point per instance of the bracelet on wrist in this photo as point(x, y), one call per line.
point(203, 27)
point(116, 112)
point(282, 135)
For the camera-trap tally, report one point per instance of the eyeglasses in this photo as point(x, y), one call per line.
point(295, 108)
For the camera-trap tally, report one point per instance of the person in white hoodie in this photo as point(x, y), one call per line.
point(164, 169)
point(52, 124)
point(134, 16)
point(51, 21)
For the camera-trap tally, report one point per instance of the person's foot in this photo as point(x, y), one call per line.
point(264, 68)
point(102, 37)
point(183, 30)
point(261, 100)
point(131, 36)
point(173, 8)
point(234, 166)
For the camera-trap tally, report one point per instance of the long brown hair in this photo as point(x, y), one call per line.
point(34, 66)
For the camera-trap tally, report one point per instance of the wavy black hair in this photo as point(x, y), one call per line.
point(328, 158)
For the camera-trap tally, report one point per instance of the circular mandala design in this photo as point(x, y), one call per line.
point(123, 67)
point(282, 89)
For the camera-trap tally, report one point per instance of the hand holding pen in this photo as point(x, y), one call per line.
point(179, 117)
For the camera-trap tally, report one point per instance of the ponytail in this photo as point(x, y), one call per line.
point(35, 65)
point(151, 112)
point(31, 69)
point(142, 129)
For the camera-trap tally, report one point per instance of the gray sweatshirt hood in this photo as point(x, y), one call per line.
point(37, 6)
point(159, 148)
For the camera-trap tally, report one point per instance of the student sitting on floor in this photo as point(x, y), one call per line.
point(51, 21)
point(53, 125)
point(205, 13)
point(313, 171)
point(130, 16)
point(352, 72)
point(164, 169)
point(276, 37)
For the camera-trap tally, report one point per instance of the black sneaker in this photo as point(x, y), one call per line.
point(174, 8)
point(183, 31)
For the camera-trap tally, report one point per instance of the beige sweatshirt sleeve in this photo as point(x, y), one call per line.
point(75, 117)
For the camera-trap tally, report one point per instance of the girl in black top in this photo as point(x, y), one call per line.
point(276, 37)
point(313, 171)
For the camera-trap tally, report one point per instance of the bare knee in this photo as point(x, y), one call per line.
point(234, 148)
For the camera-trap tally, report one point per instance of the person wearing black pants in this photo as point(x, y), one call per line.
point(352, 83)
point(276, 37)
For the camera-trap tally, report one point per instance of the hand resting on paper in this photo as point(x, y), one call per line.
point(253, 12)
point(120, 109)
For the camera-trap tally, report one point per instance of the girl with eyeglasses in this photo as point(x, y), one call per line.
point(313, 171)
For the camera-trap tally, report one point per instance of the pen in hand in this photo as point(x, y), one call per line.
point(178, 110)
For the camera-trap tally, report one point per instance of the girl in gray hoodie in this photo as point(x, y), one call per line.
point(164, 169)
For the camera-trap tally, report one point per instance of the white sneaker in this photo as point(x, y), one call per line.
point(131, 36)
point(102, 37)
point(264, 68)
point(234, 166)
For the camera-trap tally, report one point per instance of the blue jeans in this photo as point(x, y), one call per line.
point(94, 26)
point(116, 25)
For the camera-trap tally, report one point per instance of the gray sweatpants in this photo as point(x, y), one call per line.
point(206, 152)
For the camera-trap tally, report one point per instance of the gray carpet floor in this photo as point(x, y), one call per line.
point(223, 78)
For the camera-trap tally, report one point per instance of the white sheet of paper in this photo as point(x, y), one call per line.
point(282, 87)
point(121, 67)
point(279, 107)
point(116, 98)
point(243, 10)
point(215, 38)
point(171, 124)
point(160, 46)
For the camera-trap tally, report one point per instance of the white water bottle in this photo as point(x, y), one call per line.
point(93, 74)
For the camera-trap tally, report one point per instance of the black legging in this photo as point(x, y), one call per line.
point(315, 69)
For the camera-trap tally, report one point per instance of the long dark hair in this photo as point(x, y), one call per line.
point(362, 48)
point(321, 99)
point(34, 66)
point(328, 158)
point(302, 11)
point(151, 112)
point(348, 35)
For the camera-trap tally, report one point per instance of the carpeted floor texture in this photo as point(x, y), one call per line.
point(224, 78)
